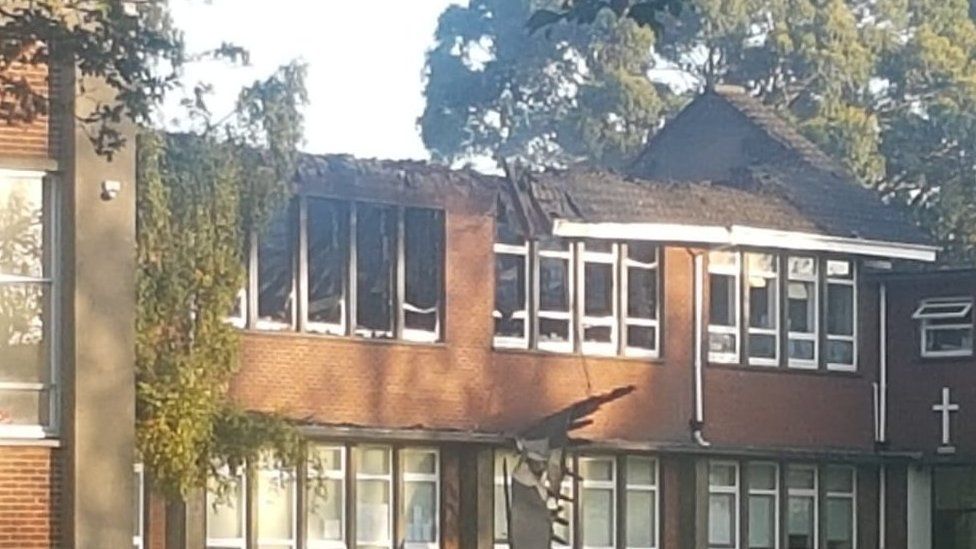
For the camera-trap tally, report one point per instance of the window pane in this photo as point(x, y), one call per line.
point(839, 269)
point(722, 298)
point(949, 340)
point(225, 512)
point(373, 461)
point(762, 522)
point(597, 469)
point(598, 522)
point(722, 343)
point(641, 518)
point(326, 500)
point(642, 337)
point(420, 511)
point(276, 269)
point(801, 478)
point(22, 227)
point(553, 284)
point(802, 349)
point(424, 264)
point(641, 471)
point(800, 523)
point(373, 511)
point(840, 524)
point(721, 520)
point(762, 477)
point(275, 506)
point(840, 352)
point(641, 293)
point(419, 461)
point(24, 407)
point(802, 267)
point(644, 252)
point(599, 291)
point(328, 257)
point(802, 307)
point(375, 260)
point(510, 297)
point(762, 302)
point(840, 479)
point(508, 229)
point(840, 309)
point(721, 475)
point(24, 309)
point(762, 346)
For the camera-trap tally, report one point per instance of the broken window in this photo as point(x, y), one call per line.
point(840, 315)
point(641, 299)
point(802, 312)
point(723, 323)
point(762, 280)
point(376, 231)
point(599, 291)
point(327, 233)
point(276, 272)
point(511, 281)
point(555, 258)
point(26, 255)
point(423, 263)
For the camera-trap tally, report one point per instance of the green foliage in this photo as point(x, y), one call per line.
point(199, 197)
point(548, 98)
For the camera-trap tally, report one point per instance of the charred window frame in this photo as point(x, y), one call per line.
point(513, 251)
point(641, 296)
point(554, 295)
point(347, 268)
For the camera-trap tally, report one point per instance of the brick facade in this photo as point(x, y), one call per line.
point(39, 138)
point(31, 487)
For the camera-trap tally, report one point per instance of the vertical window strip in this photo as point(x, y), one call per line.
point(762, 283)
point(598, 502)
point(422, 267)
point(511, 313)
point(420, 474)
point(803, 312)
point(723, 505)
point(276, 280)
point(598, 290)
point(325, 509)
point(227, 514)
point(555, 279)
point(764, 513)
point(374, 497)
point(724, 307)
point(841, 325)
point(803, 517)
point(276, 508)
point(139, 509)
point(504, 464)
point(640, 306)
point(841, 507)
point(642, 502)
point(327, 239)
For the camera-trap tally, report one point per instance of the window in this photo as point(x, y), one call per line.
point(841, 315)
point(226, 513)
point(723, 504)
point(327, 241)
point(640, 330)
point(946, 326)
point(276, 508)
point(802, 512)
point(564, 531)
point(511, 281)
point(598, 289)
point(276, 273)
point(763, 481)
point(374, 509)
point(27, 307)
point(421, 497)
point(423, 243)
point(802, 312)
point(376, 233)
point(326, 498)
point(555, 296)
point(723, 310)
point(139, 507)
point(598, 502)
point(762, 283)
point(641, 502)
point(840, 507)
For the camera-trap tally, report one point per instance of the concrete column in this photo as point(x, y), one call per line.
point(919, 502)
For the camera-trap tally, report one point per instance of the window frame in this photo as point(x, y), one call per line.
point(852, 282)
point(262, 473)
point(525, 252)
point(736, 508)
point(610, 485)
point(629, 486)
point(421, 478)
point(49, 392)
point(390, 480)
point(765, 492)
point(333, 475)
point(230, 543)
point(626, 321)
point(345, 208)
point(138, 540)
point(735, 330)
point(776, 277)
point(814, 336)
point(611, 258)
point(850, 496)
point(925, 327)
point(569, 316)
point(811, 493)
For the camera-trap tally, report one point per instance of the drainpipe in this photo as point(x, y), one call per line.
point(699, 422)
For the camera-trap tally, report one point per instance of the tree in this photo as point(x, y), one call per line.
point(548, 98)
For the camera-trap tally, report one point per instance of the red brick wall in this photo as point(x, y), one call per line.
point(32, 140)
point(30, 497)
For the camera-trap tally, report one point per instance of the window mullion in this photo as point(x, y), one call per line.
point(400, 274)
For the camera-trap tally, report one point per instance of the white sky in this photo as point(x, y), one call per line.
point(365, 64)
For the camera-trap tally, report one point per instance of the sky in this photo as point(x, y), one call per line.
point(365, 64)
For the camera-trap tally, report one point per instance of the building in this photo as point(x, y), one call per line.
point(789, 384)
point(67, 310)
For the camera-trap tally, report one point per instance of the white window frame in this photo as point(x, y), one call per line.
point(737, 504)
point(765, 492)
point(814, 337)
point(734, 271)
point(851, 496)
point(52, 247)
point(773, 276)
point(388, 478)
point(331, 474)
point(852, 339)
point(810, 493)
point(566, 255)
point(924, 317)
point(611, 258)
point(653, 488)
point(283, 476)
point(523, 251)
point(423, 478)
point(566, 488)
point(138, 540)
point(501, 481)
point(626, 265)
point(234, 543)
point(610, 485)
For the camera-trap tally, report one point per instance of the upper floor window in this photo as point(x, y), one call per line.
point(349, 268)
point(746, 318)
point(28, 381)
point(946, 326)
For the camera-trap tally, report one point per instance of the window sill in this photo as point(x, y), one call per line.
point(765, 369)
point(9, 438)
point(343, 338)
point(656, 359)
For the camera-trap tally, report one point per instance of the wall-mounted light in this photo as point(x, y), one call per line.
point(110, 189)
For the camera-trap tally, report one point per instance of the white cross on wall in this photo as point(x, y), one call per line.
point(945, 408)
